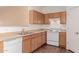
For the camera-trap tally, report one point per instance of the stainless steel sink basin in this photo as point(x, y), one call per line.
point(24, 33)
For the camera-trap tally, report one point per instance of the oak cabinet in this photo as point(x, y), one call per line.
point(44, 37)
point(62, 39)
point(46, 21)
point(63, 17)
point(32, 42)
point(36, 41)
point(36, 17)
point(54, 15)
point(26, 44)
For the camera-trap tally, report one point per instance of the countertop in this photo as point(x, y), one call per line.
point(13, 35)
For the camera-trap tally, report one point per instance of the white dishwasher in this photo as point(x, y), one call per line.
point(53, 37)
point(13, 45)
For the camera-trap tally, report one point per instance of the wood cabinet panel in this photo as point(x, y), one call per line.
point(36, 41)
point(54, 15)
point(36, 17)
point(44, 37)
point(34, 44)
point(46, 21)
point(26, 45)
point(63, 18)
point(62, 39)
point(31, 43)
point(39, 41)
point(61, 15)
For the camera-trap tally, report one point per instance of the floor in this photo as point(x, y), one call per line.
point(51, 49)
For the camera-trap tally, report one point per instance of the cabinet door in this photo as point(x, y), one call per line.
point(26, 45)
point(33, 17)
point(34, 44)
point(39, 40)
point(36, 17)
point(62, 39)
point(63, 17)
point(42, 19)
point(44, 37)
point(46, 21)
point(36, 41)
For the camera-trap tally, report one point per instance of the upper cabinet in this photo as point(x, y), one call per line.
point(46, 20)
point(63, 17)
point(54, 15)
point(13, 16)
point(36, 17)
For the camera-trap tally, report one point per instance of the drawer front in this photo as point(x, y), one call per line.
point(36, 35)
point(43, 33)
point(26, 37)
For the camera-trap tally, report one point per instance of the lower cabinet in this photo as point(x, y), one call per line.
point(26, 44)
point(32, 42)
point(44, 37)
point(62, 39)
point(36, 41)
point(34, 45)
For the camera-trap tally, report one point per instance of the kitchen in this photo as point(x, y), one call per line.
point(38, 29)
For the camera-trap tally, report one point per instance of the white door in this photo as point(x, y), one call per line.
point(73, 29)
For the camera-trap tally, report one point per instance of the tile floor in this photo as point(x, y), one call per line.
point(51, 49)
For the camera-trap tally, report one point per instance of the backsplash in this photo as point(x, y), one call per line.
point(29, 27)
point(18, 28)
point(62, 26)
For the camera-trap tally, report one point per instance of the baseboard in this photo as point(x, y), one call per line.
point(52, 45)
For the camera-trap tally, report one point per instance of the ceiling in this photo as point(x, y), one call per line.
point(49, 9)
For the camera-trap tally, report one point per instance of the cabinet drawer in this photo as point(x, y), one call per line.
point(36, 35)
point(26, 37)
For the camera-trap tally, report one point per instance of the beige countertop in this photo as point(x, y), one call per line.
point(13, 35)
